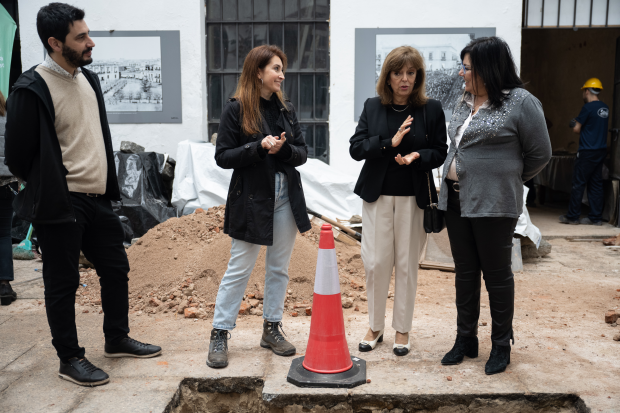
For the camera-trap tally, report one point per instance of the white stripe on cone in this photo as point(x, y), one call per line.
point(326, 280)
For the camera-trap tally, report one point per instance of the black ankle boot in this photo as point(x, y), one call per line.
point(499, 359)
point(7, 295)
point(463, 346)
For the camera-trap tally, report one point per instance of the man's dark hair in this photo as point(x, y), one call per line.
point(55, 20)
point(492, 61)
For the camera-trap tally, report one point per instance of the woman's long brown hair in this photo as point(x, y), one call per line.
point(2, 105)
point(249, 86)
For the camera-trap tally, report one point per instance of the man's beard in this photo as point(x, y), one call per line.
point(75, 58)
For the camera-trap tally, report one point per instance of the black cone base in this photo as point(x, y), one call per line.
point(353, 377)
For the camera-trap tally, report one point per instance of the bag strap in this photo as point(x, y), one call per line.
point(428, 179)
point(425, 125)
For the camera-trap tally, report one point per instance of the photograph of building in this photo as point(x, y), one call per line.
point(129, 69)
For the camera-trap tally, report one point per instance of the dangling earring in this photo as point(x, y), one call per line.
point(262, 83)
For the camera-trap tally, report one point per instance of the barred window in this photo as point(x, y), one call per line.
point(301, 29)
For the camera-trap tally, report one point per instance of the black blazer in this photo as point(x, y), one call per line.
point(372, 128)
point(251, 194)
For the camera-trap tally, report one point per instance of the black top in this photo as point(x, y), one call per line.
point(271, 114)
point(398, 179)
point(367, 144)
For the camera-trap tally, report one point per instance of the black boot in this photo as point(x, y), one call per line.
point(218, 349)
point(272, 338)
point(463, 346)
point(7, 295)
point(499, 359)
point(82, 372)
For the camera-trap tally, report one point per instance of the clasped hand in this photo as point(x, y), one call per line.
point(273, 144)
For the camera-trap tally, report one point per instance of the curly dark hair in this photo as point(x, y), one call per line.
point(55, 20)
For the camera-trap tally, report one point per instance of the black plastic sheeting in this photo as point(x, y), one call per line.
point(143, 204)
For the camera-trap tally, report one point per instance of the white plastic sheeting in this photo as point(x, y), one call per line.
point(524, 224)
point(200, 183)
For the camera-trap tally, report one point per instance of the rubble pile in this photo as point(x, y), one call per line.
point(176, 269)
point(613, 241)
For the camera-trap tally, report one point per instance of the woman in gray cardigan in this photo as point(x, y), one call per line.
point(498, 140)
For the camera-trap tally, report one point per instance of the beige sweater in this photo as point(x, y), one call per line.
point(79, 131)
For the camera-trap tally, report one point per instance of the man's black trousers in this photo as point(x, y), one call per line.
point(482, 244)
point(98, 233)
point(588, 170)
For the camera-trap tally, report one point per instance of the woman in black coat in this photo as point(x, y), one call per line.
point(259, 137)
point(401, 136)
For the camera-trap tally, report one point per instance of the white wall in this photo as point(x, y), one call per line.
point(184, 15)
point(346, 16)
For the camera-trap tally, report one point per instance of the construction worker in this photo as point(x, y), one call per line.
point(591, 125)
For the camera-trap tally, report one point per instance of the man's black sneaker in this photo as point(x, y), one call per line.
point(218, 349)
point(128, 347)
point(7, 295)
point(463, 346)
point(564, 220)
point(588, 221)
point(272, 338)
point(82, 372)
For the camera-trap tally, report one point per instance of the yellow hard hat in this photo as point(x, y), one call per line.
point(593, 83)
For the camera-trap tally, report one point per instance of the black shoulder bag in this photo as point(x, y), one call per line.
point(433, 216)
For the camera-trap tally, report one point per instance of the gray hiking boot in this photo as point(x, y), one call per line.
point(218, 349)
point(273, 339)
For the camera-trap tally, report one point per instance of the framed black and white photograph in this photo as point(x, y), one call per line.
point(140, 75)
point(441, 49)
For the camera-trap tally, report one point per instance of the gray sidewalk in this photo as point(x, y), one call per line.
point(559, 348)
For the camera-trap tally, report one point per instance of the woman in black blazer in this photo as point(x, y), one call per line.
point(401, 136)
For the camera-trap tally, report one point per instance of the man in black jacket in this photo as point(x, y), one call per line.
point(58, 141)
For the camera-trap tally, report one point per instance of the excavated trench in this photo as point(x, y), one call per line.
point(245, 394)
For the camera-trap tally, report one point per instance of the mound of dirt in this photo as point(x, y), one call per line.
point(176, 268)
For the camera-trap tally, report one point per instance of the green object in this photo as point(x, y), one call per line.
point(23, 250)
point(7, 36)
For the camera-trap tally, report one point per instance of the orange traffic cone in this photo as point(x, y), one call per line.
point(327, 362)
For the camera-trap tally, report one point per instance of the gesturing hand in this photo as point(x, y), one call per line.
point(407, 159)
point(279, 141)
point(402, 131)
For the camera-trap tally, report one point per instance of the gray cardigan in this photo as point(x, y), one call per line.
point(500, 149)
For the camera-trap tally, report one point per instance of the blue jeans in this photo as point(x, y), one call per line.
point(6, 247)
point(243, 257)
point(588, 170)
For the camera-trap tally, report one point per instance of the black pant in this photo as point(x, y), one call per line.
point(588, 170)
point(6, 220)
point(482, 244)
point(98, 233)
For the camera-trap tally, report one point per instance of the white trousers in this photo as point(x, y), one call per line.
point(393, 238)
